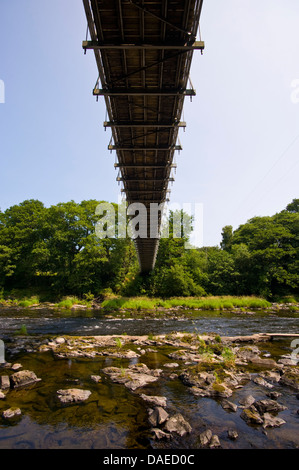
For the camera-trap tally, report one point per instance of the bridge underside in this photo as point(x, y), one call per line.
point(143, 50)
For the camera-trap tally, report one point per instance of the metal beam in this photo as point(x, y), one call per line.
point(145, 180)
point(167, 165)
point(143, 124)
point(141, 149)
point(97, 45)
point(124, 92)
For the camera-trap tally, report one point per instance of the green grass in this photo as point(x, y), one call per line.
point(204, 303)
point(28, 302)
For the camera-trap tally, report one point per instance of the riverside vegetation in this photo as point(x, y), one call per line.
point(53, 254)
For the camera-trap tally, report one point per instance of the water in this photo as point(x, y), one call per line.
point(113, 417)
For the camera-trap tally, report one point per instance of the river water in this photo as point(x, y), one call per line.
point(114, 417)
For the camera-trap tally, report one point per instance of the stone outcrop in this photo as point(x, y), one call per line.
point(134, 377)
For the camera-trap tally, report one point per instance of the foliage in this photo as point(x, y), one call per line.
point(55, 253)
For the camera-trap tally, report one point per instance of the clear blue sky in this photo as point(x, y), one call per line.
point(240, 153)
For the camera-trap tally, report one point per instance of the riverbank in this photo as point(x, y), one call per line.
point(245, 389)
point(138, 304)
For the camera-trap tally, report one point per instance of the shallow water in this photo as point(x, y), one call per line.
point(113, 417)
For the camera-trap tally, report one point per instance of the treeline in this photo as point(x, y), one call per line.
point(55, 251)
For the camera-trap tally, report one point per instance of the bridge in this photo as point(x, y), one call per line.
point(143, 50)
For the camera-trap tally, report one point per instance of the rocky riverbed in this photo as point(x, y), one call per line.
point(223, 370)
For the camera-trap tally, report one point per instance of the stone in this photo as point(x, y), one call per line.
point(23, 378)
point(273, 395)
point(178, 424)
point(16, 366)
point(4, 382)
point(158, 416)
point(2, 395)
point(260, 381)
point(247, 401)
point(171, 364)
point(135, 376)
point(154, 400)
point(59, 340)
point(229, 405)
point(232, 434)
point(96, 378)
point(205, 437)
point(159, 434)
point(11, 413)
point(267, 405)
point(271, 421)
point(214, 442)
point(251, 416)
point(73, 395)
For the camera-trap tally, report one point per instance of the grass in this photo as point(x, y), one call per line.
point(203, 303)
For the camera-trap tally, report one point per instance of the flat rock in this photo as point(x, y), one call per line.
point(96, 378)
point(23, 378)
point(73, 395)
point(154, 400)
point(247, 401)
point(159, 434)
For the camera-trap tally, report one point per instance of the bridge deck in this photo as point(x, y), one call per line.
point(143, 50)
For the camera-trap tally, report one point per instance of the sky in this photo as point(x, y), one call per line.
point(240, 155)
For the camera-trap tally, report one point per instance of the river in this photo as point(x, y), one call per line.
point(114, 417)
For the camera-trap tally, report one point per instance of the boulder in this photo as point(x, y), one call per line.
point(96, 378)
point(178, 424)
point(158, 416)
point(271, 421)
point(135, 376)
point(73, 395)
point(11, 413)
point(205, 437)
point(247, 401)
point(260, 381)
point(23, 378)
point(251, 416)
point(267, 405)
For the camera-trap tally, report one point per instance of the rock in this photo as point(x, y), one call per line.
point(135, 376)
point(96, 378)
point(171, 364)
point(59, 340)
point(2, 395)
point(229, 405)
point(214, 442)
point(73, 395)
point(16, 366)
point(259, 361)
point(232, 434)
point(23, 378)
point(178, 424)
point(247, 401)
point(260, 381)
point(290, 377)
point(251, 416)
point(205, 437)
point(267, 405)
point(4, 382)
point(11, 413)
point(159, 434)
point(154, 400)
point(272, 421)
point(158, 416)
point(273, 395)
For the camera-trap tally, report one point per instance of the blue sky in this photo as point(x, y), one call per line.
point(240, 153)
